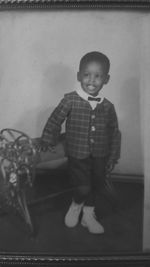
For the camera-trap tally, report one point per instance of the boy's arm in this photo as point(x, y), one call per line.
point(52, 129)
point(115, 140)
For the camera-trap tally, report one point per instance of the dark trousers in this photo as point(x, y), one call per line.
point(88, 178)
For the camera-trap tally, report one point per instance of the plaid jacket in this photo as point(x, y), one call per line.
point(87, 131)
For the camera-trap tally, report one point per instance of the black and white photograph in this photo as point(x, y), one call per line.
point(74, 133)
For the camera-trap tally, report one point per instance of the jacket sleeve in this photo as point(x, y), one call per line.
point(52, 129)
point(114, 136)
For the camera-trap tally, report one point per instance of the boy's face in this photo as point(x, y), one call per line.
point(92, 78)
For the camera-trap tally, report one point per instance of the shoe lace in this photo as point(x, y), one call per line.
point(76, 208)
point(93, 215)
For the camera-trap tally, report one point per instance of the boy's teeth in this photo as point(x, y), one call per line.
point(91, 87)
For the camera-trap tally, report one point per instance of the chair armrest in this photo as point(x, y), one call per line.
point(52, 160)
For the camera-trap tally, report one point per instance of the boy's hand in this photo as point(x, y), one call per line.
point(44, 146)
point(52, 149)
point(110, 166)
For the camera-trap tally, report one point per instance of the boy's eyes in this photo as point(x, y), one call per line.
point(88, 75)
point(85, 74)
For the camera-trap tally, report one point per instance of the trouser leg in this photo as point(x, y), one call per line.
point(98, 174)
point(89, 218)
point(80, 174)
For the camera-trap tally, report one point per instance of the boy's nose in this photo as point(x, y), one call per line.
point(92, 79)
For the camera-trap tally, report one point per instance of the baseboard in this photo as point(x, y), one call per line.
point(116, 177)
point(128, 178)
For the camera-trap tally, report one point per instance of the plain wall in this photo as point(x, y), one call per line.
point(39, 57)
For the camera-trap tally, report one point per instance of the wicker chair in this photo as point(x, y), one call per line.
point(19, 159)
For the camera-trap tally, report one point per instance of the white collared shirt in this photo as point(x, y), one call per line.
point(85, 96)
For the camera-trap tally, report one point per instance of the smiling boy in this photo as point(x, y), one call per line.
point(93, 138)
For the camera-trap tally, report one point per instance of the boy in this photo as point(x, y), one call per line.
point(92, 138)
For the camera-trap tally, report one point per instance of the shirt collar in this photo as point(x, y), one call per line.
point(84, 95)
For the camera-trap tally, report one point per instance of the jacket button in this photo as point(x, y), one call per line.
point(93, 116)
point(93, 128)
point(92, 141)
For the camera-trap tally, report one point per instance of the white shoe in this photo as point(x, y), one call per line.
point(72, 216)
point(89, 221)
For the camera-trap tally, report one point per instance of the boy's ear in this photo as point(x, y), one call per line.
point(107, 79)
point(78, 76)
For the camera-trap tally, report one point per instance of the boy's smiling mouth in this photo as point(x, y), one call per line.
point(91, 87)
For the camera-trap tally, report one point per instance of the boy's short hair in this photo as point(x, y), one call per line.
point(96, 57)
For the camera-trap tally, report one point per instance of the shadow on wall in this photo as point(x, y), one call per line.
point(33, 120)
point(57, 80)
point(130, 125)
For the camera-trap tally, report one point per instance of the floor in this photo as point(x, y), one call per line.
point(120, 215)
